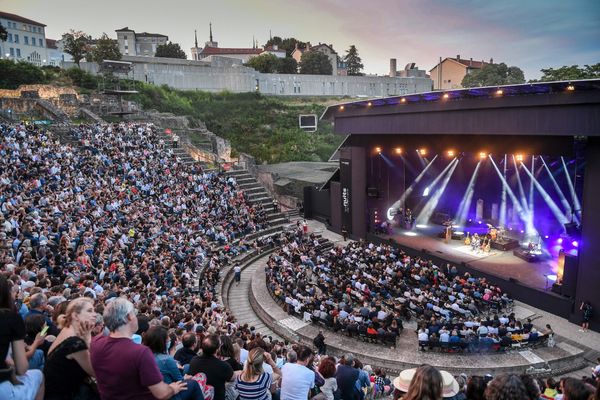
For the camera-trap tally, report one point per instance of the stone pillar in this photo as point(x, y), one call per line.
point(495, 211)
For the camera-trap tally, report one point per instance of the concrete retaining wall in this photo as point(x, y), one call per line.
point(220, 75)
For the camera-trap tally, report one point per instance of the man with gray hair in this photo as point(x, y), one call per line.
point(124, 369)
point(38, 305)
point(346, 377)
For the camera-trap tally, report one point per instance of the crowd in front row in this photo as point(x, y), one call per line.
point(367, 290)
point(110, 256)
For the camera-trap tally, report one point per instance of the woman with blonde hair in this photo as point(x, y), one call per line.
point(68, 363)
point(254, 383)
point(427, 384)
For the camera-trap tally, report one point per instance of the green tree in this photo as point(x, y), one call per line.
point(265, 63)
point(170, 50)
point(572, 72)
point(3, 33)
point(494, 74)
point(287, 65)
point(353, 61)
point(77, 44)
point(287, 44)
point(106, 49)
point(12, 74)
point(315, 63)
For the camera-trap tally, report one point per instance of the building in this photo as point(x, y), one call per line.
point(139, 44)
point(337, 65)
point(275, 50)
point(26, 40)
point(410, 70)
point(56, 54)
point(449, 73)
point(211, 48)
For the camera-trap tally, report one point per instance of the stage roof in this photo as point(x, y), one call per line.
point(570, 108)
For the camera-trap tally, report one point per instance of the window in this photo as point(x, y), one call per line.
point(12, 52)
point(10, 37)
point(41, 42)
point(16, 38)
point(19, 53)
point(449, 81)
point(26, 39)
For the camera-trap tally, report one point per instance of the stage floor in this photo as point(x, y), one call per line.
point(499, 263)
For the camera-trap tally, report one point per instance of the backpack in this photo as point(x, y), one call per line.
point(207, 390)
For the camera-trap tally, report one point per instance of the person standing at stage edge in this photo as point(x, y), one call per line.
point(586, 308)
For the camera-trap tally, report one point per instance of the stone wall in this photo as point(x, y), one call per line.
point(220, 74)
point(44, 91)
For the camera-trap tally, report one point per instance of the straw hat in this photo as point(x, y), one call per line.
point(451, 387)
point(402, 381)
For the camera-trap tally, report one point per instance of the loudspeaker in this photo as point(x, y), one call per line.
point(308, 202)
point(571, 270)
point(372, 192)
point(572, 229)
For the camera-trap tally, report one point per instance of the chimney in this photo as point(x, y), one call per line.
point(458, 57)
point(491, 60)
point(470, 61)
point(392, 67)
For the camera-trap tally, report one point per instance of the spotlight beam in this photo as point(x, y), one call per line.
point(553, 207)
point(563, 199)
point(531, 210)
point(408, 191)
point(465, 203)
point(516, 203)
point(430, 206)
point(503, 198)
point(521, 191)
point(572, 189)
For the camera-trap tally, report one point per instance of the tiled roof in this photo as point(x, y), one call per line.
point(51, 44)
point(18, 18)
point(126, 29)
point(469, 63)
point(146, 34)
point(210, 51)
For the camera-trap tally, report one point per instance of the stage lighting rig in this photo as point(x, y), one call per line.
point(398, 150)
point(482, 155)
point(519, 157)
point(422, 152)
point(378, 150)
point(451, 153)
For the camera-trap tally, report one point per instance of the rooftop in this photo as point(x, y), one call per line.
point(209, 51)
point(18, 18)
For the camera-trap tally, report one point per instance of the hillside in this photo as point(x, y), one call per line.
point(263, 126)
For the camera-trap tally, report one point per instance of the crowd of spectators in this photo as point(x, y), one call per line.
point(368, 290)
point(118, 217)
point(109, 261)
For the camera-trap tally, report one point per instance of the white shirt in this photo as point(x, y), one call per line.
point(296, 382)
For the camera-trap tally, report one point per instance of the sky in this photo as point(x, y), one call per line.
point(530, 34)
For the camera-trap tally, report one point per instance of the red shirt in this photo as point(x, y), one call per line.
point(124, 370)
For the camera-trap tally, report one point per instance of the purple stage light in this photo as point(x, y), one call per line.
point(546, 237)
point(479, 222)
point(559, 241)
point(575, 243)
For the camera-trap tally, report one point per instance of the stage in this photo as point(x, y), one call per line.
point(503, 264)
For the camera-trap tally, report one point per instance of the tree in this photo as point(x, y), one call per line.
point(494, 74)
point(3, 33)
point(265, 63)
point(287, 65)
point(353, 62)
point(287, 44)
point(77, 44)
point(315, 63)
point(170, 50)
point(106, 49)
point(573, 72)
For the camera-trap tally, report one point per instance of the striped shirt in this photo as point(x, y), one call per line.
point(257, 390)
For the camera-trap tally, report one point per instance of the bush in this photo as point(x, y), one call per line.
point(12, 74)
point(81, 78)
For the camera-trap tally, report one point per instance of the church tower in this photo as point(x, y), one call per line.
point(211, 43)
